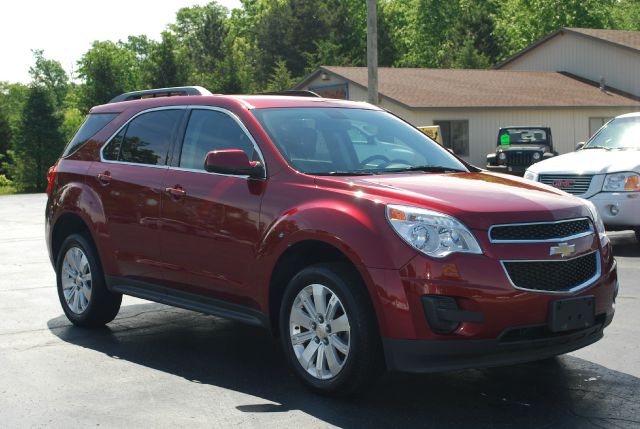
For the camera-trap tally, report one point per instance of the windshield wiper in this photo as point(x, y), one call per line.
point(426, 169)
point(345, 173)
point(596, 147)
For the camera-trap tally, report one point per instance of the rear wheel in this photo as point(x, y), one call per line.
point(81, 288)
point(328, 330)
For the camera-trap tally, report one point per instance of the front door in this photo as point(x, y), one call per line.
point(210, 222)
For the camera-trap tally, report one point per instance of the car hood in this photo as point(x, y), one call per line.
point(590, 161)
point(478, 199)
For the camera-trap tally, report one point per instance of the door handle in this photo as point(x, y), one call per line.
point(176, 192)
point(104, 178)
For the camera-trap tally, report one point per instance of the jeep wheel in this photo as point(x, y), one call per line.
point(637, 231)
point(81, 288)
point(328, 330)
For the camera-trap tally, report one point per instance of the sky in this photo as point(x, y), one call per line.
point(65, 29)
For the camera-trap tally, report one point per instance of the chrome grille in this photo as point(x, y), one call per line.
point(571, 183)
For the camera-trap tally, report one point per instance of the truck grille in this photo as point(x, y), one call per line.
point(571, 183)
point(543, 231)
point(553, 276)
point(522, 159)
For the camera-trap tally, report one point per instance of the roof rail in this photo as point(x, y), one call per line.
point(292, 92)
point(161, 92)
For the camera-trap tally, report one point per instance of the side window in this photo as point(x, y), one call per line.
point(112, 151)
point(149, 136)
point(94, 123)
point(211, 130)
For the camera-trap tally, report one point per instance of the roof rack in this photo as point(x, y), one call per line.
point(161, 92)
point(292, 92)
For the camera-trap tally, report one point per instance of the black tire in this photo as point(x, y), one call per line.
point(364, 361)
point(637, 231)
point(103, 305)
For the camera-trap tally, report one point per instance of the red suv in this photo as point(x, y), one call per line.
point(335, 225)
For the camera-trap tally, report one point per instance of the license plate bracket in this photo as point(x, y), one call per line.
point(572, 313)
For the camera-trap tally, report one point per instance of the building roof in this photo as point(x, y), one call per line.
point(459, 88)
point(624, 39)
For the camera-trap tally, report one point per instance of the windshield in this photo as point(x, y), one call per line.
point(620, 133)
point(522, 136)
point(322, 140)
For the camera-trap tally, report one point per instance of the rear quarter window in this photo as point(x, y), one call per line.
point(94, 123)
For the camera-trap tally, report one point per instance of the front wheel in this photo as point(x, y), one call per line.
point(84, 297)
point(329, 331)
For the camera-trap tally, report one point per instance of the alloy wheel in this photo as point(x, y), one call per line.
point(319, 331)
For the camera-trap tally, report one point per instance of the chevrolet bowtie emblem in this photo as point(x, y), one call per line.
point(563, 249)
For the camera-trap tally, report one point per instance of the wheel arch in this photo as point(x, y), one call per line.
point(302, 254)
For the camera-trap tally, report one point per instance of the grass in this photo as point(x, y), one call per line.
point(7, 190)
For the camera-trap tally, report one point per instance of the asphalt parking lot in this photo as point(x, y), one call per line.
point(156, 366)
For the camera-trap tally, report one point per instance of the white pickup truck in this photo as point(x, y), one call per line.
point(605, 171)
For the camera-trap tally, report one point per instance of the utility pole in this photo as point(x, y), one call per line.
point(372, 51)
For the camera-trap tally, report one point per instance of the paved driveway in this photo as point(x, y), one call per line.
point(156, 366)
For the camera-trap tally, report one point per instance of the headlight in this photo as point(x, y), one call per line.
point(502, 156)
point(432, 233)
point(621, 182)
point(536, 156)
point(530, 175)
point(595, 216)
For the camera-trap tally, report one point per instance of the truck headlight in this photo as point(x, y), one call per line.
point(432, 233)
point(621, 182)
point(502, 156)
point(530, 175)
point(537, 156)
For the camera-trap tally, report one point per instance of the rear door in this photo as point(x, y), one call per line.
point(210, 222)
point(129, 181)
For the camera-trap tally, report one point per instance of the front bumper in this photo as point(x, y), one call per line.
point(626, 213)
point(499, 324)
point(510, 348)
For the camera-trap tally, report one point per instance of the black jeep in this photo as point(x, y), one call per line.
point(519, 147)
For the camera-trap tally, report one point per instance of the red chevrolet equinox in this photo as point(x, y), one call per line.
point(340, 228)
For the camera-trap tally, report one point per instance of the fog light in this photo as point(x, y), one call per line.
point(614, 210)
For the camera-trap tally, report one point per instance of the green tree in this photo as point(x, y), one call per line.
point(108, 69)
point(38, 143)
point(163, 68)
point(50, 74)
point(281, 79)
point(6, 135)
point(522, 22)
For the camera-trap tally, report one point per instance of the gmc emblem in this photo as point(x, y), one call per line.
point(563, 183)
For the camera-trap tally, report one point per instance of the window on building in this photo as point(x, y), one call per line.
point(455, 135)
point(595, 124)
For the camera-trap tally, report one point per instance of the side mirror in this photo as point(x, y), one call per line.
point(579, 145)
point(233, 161)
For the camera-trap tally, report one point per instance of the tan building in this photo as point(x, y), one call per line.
point(610, 56)
point(471, 105)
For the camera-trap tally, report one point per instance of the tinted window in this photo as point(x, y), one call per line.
point(350, 141)
point(210, 130)
point(149, 136)
point(455, 136)
point(94, 123)
point(112, 151)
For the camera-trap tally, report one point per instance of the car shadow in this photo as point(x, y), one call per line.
point(624, 244)
point(560, 392)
